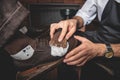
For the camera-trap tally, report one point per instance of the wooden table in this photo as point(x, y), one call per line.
point(38, 72)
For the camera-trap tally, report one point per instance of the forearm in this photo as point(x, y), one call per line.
point(101, 48)
point(116, 49)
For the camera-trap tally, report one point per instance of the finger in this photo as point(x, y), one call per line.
point(53, 27)
point(82, 39)
point(83, 62)
point(64, 31)
point(71, 32)
point(78, 61)
point(74, 51)
point(74, 57)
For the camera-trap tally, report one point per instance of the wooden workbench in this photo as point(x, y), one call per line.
point(38, 72)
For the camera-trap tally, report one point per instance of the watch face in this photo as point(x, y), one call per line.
point(109, 54)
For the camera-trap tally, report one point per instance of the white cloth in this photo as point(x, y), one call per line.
point(59, 51)
point(91, 8)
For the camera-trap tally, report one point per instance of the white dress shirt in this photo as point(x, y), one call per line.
point(91, 9)
point(88, 12)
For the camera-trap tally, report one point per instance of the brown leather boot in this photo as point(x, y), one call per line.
point(12, 13)
point(33, 52)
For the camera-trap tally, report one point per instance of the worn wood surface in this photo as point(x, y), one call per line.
point(38, 72)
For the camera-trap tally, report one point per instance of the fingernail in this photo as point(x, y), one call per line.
point(51, 37)
point(64, 60)
point(75, 35)
point(59, 40)
point(68, 63)
point(66, 37)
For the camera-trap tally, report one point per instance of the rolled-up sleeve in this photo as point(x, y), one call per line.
point(88, 11)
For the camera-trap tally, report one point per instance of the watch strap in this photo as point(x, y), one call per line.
point(109, 51)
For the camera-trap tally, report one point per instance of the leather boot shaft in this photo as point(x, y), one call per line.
point(6, 8)
point(12, 14)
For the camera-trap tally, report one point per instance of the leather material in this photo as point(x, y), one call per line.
point(12, 13)
point(19, 43)
point(40, 45)
point(54, 41)
point(63, 43)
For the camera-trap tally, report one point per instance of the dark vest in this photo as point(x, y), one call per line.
point(109, 29)
point(109, 32)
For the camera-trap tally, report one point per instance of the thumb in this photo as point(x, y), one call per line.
point(81, 39)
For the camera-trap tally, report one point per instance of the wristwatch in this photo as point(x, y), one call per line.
point(109, 51)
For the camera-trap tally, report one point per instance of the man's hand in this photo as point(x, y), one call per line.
point(84, 52)
point(68, 28)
